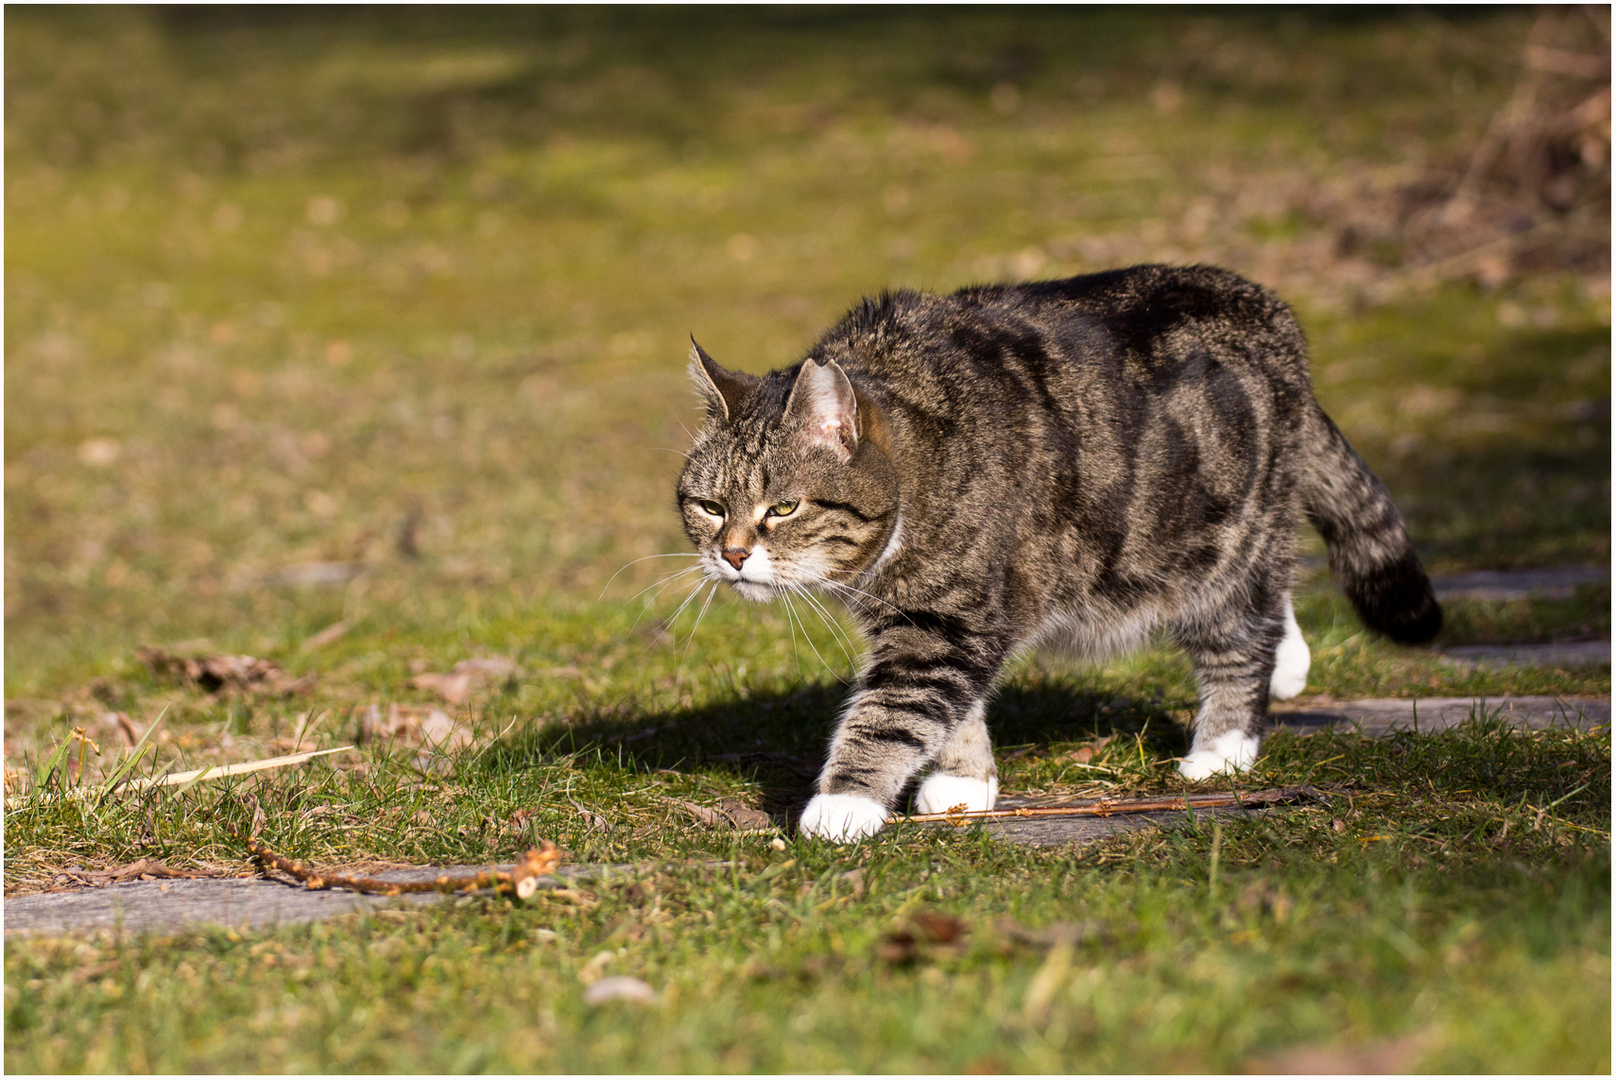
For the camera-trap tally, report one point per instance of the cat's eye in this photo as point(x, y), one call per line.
point(782, 509)
point(712, 508)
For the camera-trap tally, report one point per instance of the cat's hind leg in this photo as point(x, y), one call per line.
point(964, 774)
point(1232, 651)
point(1291, 660)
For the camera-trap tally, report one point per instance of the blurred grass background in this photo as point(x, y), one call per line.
point(379, 314)
point(354, 339)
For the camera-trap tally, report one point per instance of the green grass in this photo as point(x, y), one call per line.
point(410, 291)
point(1440, 895)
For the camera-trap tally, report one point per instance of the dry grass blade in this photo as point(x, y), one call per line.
point(182, 779)
point(218, 772)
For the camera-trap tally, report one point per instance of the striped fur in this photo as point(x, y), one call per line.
point(1078, 462)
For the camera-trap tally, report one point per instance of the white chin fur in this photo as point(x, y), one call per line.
point(940, 792)
point(1291, 661)
point(1230, 752)
point(760, 594)
point(842, 817)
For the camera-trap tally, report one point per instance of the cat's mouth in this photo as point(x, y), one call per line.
point(750, 587)
point(753, 590)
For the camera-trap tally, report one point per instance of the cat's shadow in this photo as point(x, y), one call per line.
point(779, 740)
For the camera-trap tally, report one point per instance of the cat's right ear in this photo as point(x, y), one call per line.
point(721, 389)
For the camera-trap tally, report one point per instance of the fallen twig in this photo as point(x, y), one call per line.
point(522, 879)
point(143, 869)
point(1113, 807)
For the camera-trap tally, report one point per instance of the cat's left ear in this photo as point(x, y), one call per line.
point(721, 388)
point(824, 402)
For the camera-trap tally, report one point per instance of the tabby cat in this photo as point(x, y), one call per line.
point(1076, 463)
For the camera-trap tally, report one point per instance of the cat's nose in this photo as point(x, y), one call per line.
point(736, 556)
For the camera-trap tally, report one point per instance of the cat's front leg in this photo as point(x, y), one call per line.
point(964, 774)
point(920, 694)
point(842, 817)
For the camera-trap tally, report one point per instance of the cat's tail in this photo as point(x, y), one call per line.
point(1370, 553)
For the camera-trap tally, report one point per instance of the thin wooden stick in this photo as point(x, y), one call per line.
point(1113, 807)
point(522, 879)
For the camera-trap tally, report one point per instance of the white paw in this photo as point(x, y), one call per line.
point(1230, 752)
point(842, 817)
point(1291, 661)
point(940, 792)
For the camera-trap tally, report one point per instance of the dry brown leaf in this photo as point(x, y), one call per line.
point(1085, 753)
point(745, 817)
point(287, 745)
point(455, 689)
point(925, 930)
point(591, 818)
point(428, 728)
point(488, 668)
point(711, 818)
point(729, 814)
point(937, 927)
point(1396, 1056)
point(218, 673)
point(457, 686)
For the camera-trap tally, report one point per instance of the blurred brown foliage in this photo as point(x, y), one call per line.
point(1534, 193)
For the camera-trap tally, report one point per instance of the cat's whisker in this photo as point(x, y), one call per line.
point(842, 641)
point(643, 558)
point(854, 605)
point(661, 585)
point(792, 623)
point(842, 591)
point(705, 604)
point(648, 604)
point(800, 592)
point(666, 627)
point(849, 647)
point(680, 610)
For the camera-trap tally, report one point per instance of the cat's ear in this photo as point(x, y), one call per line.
point(824, 402)
point(722, 390)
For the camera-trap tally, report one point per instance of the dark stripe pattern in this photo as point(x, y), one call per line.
point(1077, 462)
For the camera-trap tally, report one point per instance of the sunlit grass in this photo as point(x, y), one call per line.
point(399, 302)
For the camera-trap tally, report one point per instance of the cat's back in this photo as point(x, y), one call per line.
point(1150, 320)
point(1153, 316)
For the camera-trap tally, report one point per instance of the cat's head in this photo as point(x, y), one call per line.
point(788, 483)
